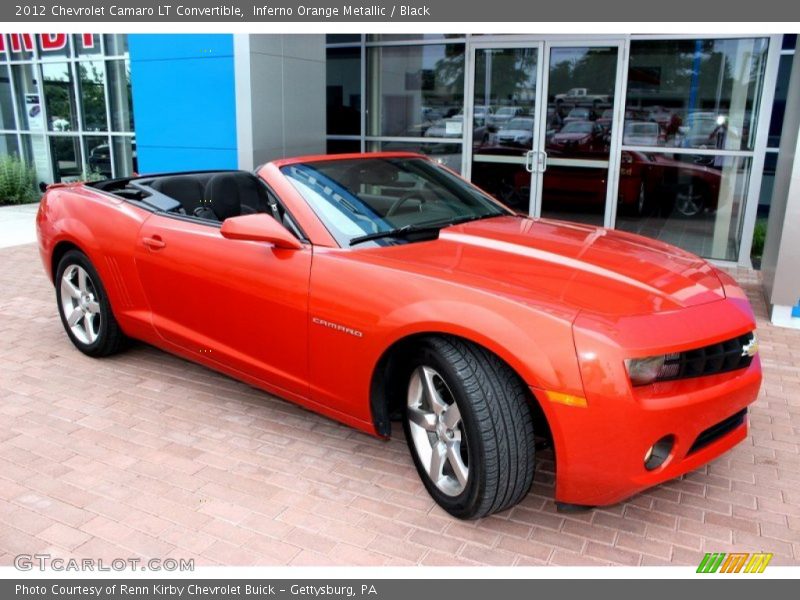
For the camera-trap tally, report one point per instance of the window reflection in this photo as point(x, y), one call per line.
point(28, 97)
point(412, 87)
point(65, 153)
point(6, 100)
point(98, 157)
point(59, 95)
point(580, 102)
point(701, 93)
point(125, 160)
point(9, 145)
point(93, 95)
point(119, 92)
point(692, 201)
point(446, 154)
point(779, 103)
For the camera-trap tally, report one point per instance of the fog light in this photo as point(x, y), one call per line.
point(658, 452)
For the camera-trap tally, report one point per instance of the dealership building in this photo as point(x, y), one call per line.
point(687, 139)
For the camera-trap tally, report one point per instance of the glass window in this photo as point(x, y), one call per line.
point(37, 154)
point(28, 97)
point(98, 157)
point(65, 156)
point(409, 83)
point(342, 38)
point(343, 146)
point(702, 93)
point(401, 37)
point(119, 91)
point(767, 182)
point(86, 44)
point(779, 104)
point(59, 96)
point(93, 94)
point(53, 45)
point(789, 41)
point(7, 120)
point(343, 83)
point(764, 203)
point(8, 144)
point(448, 155)
point(695, 202)
point(116, 44)
point(125, 162)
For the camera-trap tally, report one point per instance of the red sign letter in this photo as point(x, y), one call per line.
point(53, 41)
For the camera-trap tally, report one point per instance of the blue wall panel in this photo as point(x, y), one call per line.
point(184, 101)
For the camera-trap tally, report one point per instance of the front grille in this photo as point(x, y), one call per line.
point(717, 431)
point(729, 355)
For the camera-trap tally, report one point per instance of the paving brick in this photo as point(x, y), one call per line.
point(156, 456)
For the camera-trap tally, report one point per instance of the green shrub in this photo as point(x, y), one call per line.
point(759, 235)
point(17, 181)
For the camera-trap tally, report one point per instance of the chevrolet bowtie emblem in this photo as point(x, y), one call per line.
point(750, 348)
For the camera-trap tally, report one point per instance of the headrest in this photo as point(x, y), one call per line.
point(222, 193)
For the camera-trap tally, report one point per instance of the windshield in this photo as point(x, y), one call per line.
point(519, 124)
point(579, 113)
point(357, 197)
point(507, 111)
point(577, 127)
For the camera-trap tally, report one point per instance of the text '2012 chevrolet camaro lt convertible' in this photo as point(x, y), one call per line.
point(369, 286)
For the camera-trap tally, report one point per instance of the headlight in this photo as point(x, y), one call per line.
point(645, 370)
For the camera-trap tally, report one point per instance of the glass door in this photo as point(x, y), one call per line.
point(502, 123)
point(539, 126)
point(578, 109)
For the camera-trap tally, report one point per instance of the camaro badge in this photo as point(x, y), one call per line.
point(750, 348)
point(337, 327)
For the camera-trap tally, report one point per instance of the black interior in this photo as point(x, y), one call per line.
point(208, 195)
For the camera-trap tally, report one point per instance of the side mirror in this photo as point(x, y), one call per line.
point(259, 227)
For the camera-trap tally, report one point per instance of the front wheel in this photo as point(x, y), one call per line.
point(469, 428)
point(84, 307)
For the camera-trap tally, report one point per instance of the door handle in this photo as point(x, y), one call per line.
point(542, 161)
point(154, 243)
point(529, 161)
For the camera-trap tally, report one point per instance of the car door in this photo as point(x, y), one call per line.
point(239, 303)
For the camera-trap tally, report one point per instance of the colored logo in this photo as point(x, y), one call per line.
point(734, 562)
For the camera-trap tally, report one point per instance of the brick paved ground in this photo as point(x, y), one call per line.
point(147, 455)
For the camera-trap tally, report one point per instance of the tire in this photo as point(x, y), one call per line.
point(639, 208)
point(690, 200)
point(80, 296)
point(482, 453)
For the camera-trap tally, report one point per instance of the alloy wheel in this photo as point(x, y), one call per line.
point(437, 430)
point(80, 304)
point(689, 201)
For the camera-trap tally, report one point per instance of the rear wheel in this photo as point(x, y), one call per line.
point(84, 308)
point(469, 428)
point(690, 199)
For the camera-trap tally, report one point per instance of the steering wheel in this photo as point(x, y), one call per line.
point(413, 195)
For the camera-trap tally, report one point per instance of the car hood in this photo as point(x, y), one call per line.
point(569, 137)
point(568, 265)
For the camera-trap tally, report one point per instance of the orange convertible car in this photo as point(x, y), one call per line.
point(368, 287)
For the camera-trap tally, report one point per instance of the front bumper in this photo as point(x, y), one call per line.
point(600, 448)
